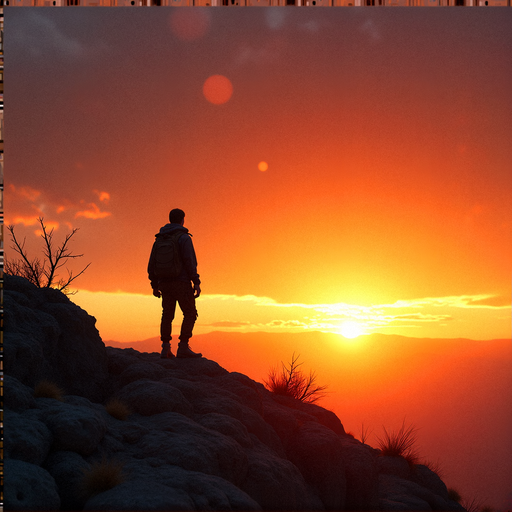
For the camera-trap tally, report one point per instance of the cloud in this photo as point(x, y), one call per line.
point(287, 324)
point(103, 196)
point(371, 30)
point(422, 317)
point(40, 35)
point(92, 212)
point(229, 324)
point(456, 301)
point(275, 18)
point(27, 204)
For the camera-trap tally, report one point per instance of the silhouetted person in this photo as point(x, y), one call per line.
point(172, 269)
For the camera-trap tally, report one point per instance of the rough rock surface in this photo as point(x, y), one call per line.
point(196, 437)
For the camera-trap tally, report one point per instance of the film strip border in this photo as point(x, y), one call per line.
point(2, 256)
point(250, 3)
point(1, 168)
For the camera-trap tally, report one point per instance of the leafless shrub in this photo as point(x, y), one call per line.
point(43, 272)
point(400, 444)
point(291, 381)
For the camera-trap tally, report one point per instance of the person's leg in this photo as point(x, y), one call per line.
point(187, 303)
point(168, 312)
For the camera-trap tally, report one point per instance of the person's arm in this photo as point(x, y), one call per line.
point(190, 262)
point(151, 275)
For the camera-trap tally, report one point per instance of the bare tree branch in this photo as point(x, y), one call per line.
point(44, 273)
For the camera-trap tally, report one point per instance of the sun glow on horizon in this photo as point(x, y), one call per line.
point(351, 329)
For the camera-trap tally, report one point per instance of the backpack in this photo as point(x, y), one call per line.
point(166, 253)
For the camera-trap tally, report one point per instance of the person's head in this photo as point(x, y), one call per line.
point(177, 216)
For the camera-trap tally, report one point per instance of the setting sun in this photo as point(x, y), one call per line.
point(350, 329)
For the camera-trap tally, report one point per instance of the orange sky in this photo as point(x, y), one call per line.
point(387, 137)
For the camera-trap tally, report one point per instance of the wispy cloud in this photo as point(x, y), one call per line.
point(92, 211)
point(29, 204)
point(40, 34)
point(250, 313)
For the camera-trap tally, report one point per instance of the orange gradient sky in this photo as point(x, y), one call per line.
point(385, 199)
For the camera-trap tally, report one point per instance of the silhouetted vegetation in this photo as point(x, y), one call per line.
point(291, 381)
point(117, 409)
point(48, 389)
point(454, 495)
point(365, 432)
point(102, 476)
point(400, 444)
point(43, 271)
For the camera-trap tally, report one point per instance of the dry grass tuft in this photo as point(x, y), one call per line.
point(435, 467)
point(454, 495)
point(291, 381)
point(117, 409)
point(475, 505)
point(365, 432)
point(48, 389)
point(400, 444)
point(102, 476)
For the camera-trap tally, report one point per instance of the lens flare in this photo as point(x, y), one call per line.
point(217, 89)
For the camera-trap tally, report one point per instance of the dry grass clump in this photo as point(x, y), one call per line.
point(365, 433)
point(400, 444)
point(291, 381)
point(47, 389)
point(454, 495)
point(117, 409)
point(435, 467)
point(102, 476)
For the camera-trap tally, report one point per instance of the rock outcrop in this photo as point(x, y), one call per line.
point(182, 434)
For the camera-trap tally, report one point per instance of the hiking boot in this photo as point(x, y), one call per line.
point(184, 351)
point(166, 351)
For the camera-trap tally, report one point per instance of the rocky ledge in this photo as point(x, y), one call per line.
point(132, 431)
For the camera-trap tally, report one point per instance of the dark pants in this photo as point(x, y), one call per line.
point(182, 293)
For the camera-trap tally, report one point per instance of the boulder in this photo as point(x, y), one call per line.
point(46, 336)
point(26, 438)
point(362, 475)
point(29, 487)
point(141, 495)
point(74, 428)
point(148, 397)
point(275, 483)
point(67, 469)
point(318, 453)
point(176, 440)
point(397, 492)
point(17, 396)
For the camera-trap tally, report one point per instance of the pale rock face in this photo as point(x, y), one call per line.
point(196, 437)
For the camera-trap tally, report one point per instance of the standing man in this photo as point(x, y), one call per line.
point(172, 270)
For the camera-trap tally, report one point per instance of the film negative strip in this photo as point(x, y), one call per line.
point(254, 3)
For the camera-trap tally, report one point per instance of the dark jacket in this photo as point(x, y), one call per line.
point(188, 257)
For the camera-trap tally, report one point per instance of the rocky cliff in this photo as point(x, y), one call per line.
point(132, 431)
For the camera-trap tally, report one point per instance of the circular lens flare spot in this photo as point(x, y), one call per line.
point(263, 166)
point(189, 24)
point(217, 89)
